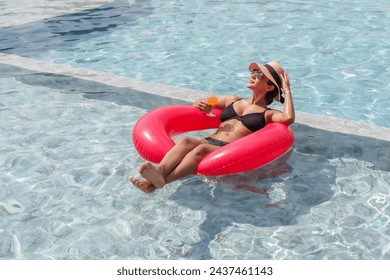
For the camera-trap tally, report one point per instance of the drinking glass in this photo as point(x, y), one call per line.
point(212, 101)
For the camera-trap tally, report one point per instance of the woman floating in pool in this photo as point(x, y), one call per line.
point(239, 118)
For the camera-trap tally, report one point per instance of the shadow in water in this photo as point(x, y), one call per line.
point(67, 30)
point(88, 89)
point(278, 194)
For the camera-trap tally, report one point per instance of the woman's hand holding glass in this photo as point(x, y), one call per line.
point(212, 100)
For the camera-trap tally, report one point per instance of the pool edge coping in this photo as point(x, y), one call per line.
point(323, 122)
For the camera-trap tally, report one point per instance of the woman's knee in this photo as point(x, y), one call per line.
point(201, 150)
point(188, 142)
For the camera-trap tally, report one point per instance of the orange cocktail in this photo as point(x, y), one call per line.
point(212, 101)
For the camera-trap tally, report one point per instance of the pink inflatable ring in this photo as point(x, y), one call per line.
point(152, 139)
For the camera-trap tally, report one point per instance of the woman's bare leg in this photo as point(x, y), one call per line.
point(177, 154)
point(190, 162)
point(186, 167)
point(173, 157)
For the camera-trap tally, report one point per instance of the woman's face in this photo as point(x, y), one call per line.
point(258, 82)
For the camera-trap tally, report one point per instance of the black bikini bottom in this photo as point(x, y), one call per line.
point(215, 142)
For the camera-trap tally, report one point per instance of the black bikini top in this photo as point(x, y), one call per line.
point(252, 121)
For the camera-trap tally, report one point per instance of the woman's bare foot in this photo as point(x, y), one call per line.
point(152, 174)
point(144, 185)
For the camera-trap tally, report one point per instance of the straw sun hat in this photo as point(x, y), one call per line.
point(272, 70)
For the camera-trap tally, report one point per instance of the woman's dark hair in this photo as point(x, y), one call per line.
point(269, 97)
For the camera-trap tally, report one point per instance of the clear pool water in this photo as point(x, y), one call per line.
point(337, 53)
point(66, 150)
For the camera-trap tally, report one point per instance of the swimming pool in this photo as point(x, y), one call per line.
point(66, 148)
point(336, 52)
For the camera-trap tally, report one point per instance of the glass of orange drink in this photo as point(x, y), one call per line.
point(212, 100)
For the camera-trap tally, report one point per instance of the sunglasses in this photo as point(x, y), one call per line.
point(258, 74)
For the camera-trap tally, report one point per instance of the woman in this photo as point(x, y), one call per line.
point(239, 118)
